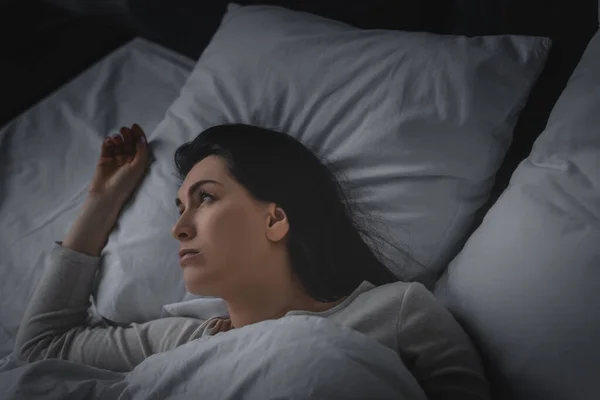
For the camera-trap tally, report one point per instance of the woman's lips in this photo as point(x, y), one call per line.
point(187, 257)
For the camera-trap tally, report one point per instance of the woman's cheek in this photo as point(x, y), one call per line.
point(239, 230)
point(222, 226)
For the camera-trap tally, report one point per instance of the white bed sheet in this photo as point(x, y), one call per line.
point(40, 192)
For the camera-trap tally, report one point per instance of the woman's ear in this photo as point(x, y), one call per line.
point(277, 223)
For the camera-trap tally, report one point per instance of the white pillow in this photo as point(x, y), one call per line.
point(527, 283)
point(417, 122)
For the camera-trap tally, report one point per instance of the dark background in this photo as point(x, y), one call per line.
point(45, 43)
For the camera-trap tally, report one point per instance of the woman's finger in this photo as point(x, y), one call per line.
point(142, 152)
point(138, 132)
point(129, 141)
point(118, 149)
point(135, 134)
point(116, 142)
point(107, 148)
point(128, 144)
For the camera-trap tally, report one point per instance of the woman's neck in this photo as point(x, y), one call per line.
point(269, 305)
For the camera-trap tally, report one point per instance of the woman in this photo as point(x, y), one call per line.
point(265, 226)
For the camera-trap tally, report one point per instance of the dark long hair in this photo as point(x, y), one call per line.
point(326, 243)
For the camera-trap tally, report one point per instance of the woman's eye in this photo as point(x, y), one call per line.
point(203, 198)
point(206, 197)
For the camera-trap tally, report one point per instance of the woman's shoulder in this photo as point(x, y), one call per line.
point(389, 300)
point(371, 301)
point(405, 297)
point(396, 290)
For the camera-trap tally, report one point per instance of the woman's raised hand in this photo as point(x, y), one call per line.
point(122, 165)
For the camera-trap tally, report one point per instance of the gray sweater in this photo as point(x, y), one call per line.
point(403, 316)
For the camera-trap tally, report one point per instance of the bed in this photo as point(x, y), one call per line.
point(500, 228)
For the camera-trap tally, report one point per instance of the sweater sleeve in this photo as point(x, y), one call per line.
point(437, 350)
point(55, 322)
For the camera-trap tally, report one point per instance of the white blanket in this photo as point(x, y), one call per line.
point(295, 357)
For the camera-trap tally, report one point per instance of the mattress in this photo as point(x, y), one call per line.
point(40, 194)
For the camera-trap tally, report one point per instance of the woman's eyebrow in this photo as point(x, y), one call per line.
point(195, 187)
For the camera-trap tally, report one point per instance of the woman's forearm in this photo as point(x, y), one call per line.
point(58, 308)
point(90, 231)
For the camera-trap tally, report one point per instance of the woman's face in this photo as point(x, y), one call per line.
point(236, 236)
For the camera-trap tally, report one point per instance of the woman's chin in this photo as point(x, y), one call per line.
point(199, 287)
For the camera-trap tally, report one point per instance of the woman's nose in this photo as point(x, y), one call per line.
point(182, 231)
